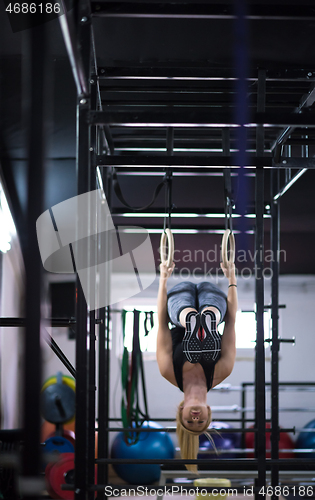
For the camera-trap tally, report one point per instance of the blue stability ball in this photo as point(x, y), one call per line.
point(150, 445)
point(223, 441)
point(306, 440)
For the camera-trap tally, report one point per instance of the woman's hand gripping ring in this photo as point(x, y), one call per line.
point(167, 247)
point(228, 238)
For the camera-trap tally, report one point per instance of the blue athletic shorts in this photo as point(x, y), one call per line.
point(187, 294)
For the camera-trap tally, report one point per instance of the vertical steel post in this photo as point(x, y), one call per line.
point(104, 354)
point(81, 396)
point(37, 78)
point(81, 423)
point(243, 415)
point(275, 345)
point(84, 39)
point(92, 315)
point(170, 141)
point(260, 417)
point(103, 398)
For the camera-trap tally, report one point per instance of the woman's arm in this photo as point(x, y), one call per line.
point(232, 292)
point(225, 365)
point(164, 348)
point(165, 273)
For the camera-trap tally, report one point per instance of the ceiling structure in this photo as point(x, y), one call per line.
point(175, 79)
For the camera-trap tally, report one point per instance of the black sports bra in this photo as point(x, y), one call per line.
point(179, 358)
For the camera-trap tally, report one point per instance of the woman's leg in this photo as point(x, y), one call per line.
point(180, 300)
point(212, 306)
point(183, 314)
point(210, 297)
point(215, 310)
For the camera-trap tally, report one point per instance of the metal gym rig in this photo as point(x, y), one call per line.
point(95, 152)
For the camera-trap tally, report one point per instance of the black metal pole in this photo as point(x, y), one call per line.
point(101, 471)
point(243, 415)
point(260, 416)
point(37, 78)
point(81, 340)
point(84, 39)
point(67, 24)
point(192, 165)
point(233, 464)
point(103, 355)
point(170, 141)
point(275, 345)
point(103, 397)
point(288, 184)
point(56, 349)
point(58, 322)
point(92, 338)
point(184, 116)
point(107, 356)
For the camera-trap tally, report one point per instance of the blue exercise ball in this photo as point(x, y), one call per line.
point(223, 441)
point(150, 445)
point(306, 440)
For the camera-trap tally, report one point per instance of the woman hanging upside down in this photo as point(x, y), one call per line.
point(192, 355)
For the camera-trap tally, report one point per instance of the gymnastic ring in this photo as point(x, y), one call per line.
point(228, 237)
point(167, 258)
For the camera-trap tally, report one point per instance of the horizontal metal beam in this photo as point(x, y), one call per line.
point(173, 429)
point(298, 163)
point(11, 435)
point(19, 322)
point(247, 420)
point(189, 74)
point(162, 79)
point(181, 161)
point(56, 322)
point(228, 464)
point(185, 116)
point(294, 141)
point(168, 96)
point(215, 464)
point(201, 10)
point(206, 230)
point(184, 164)
point(194, 212)
point(192, 96)
point(155, 171)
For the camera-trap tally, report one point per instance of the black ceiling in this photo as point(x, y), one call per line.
point(180, 64)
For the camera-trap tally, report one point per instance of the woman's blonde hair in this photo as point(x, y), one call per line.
point(189, 440)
